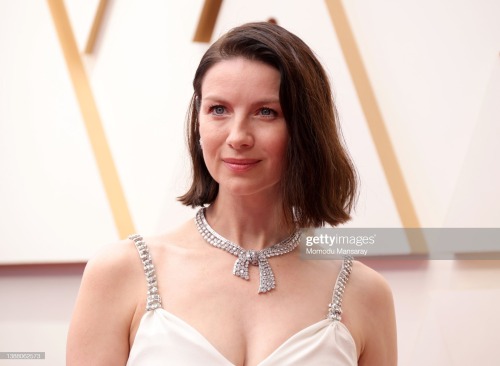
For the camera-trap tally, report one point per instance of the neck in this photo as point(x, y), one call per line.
point(251, 222)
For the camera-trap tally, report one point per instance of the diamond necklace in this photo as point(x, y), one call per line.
point(246, 257)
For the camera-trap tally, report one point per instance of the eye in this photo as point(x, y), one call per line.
point(267, 112)
point(217, 110)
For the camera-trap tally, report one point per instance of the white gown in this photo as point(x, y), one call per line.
point(164, 339)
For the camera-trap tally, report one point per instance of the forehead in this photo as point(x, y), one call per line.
point(238, 74)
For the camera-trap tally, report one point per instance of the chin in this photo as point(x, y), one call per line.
point(243, 190)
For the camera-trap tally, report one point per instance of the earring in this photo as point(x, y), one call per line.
point(201, 145)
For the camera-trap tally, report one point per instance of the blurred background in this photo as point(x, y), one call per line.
point(93, 100)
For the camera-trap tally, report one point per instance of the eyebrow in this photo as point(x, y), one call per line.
point(223, 100)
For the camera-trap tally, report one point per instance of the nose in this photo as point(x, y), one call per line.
point(240, 135)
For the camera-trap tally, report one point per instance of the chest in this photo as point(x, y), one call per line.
point(227, 311)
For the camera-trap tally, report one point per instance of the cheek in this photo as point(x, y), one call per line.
point(278, 146)
point(282, 141)
point(208, 134)
point(211, 141)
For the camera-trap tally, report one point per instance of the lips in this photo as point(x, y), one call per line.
point(240, 165)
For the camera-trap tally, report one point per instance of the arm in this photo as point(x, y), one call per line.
point(105, 306)
point(380, 342)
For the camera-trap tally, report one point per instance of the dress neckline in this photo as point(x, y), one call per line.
point(321, 324)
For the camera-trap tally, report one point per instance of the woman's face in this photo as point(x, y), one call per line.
point(242, 128)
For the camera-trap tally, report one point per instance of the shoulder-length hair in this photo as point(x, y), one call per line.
point(319, 181)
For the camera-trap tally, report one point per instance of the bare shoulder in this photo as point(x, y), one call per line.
point(370, 289)
point(370, 312)
point(113, 261)
point(114, 272)
point(109, 295)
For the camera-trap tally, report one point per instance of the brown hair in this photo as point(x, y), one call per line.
point(319, 181)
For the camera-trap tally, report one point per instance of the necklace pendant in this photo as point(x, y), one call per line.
point(240, 268)
point(267, 282)
point(247, 257)
point(266, 275)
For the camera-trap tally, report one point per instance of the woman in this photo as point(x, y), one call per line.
point(267, 159)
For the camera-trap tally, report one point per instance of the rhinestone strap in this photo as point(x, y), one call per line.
point(153, 299)
point(247, 257)
point(335, 307)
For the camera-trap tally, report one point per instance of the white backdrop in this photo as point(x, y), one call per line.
point(435, 68)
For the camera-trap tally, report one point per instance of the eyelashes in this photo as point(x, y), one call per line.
point(220, 110)
point(217, 109)
point(268, 112)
